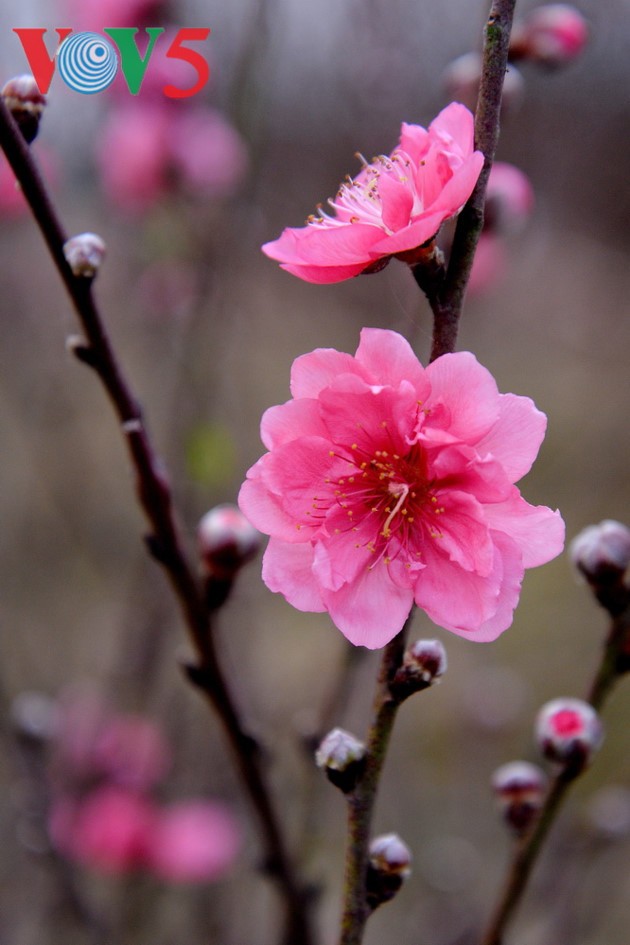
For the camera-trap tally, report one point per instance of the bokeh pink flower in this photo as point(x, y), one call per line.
point(149, 147)
point(103, 813)
point(387, 483)
point(393, 206)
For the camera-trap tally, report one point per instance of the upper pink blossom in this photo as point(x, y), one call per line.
point(392, 207)
point(388, 483)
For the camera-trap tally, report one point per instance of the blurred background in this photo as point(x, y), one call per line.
point(184, 193)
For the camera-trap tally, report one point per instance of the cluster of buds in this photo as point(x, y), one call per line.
point(388, 868)
point(26, 103)
point(424, 662)
point(226, 541)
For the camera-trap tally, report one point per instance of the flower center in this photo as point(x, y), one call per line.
point(358, 199)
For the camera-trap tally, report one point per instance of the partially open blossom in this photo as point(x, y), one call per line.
point(568, 731)
point(388, 483)
point(551, 35)
point(393, 206)
point(193, 841)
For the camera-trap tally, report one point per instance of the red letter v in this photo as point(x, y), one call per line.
point(41, 63)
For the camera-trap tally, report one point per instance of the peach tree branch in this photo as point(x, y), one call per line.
point(164, 541)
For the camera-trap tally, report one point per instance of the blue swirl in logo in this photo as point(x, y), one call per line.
point(87, 62)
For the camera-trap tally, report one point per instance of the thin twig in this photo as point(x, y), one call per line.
point(446, 295)
point(612, 665)
point(361, 800)
point(164, 542)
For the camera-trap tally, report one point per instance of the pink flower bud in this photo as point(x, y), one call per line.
point(569, 731)
point(342, 756)
point(519, 788)
point(389, 866)
point(84, 254)
point(26, 103)
point(462, 76)
point(192, 842)
point(226, 540)
point(552, 35)
point(509, 199)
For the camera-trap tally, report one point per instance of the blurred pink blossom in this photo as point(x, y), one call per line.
point(489, 264)
point(93, 15)
point(109, 829)
point(509, 199)
point(393, 206)
point(388, 483)
point(148, 148)
point(193, 841)
point(95, 744)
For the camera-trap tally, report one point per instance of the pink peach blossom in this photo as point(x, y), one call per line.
point(193, 841)
point(388, 483)
point(392, 207)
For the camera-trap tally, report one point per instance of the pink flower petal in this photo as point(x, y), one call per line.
point(320, 246)
point(397, 201)
point(469, 393)
point(288, 570)
point(311, 373)
point(388, 358)
point(515, 438)
point(288, 421)
point(538, 532)
point(457, 123)
point(371, 610)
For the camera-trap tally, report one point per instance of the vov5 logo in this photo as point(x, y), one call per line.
point(88, 62)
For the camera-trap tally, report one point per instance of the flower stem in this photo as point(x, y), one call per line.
point(528, 848)
point(164, 542)
point(361, 801)
point(447, 296)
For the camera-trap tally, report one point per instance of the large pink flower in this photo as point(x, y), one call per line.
point(392, 207)
point(388, 483)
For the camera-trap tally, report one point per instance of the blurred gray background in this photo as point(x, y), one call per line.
point(307, 85)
